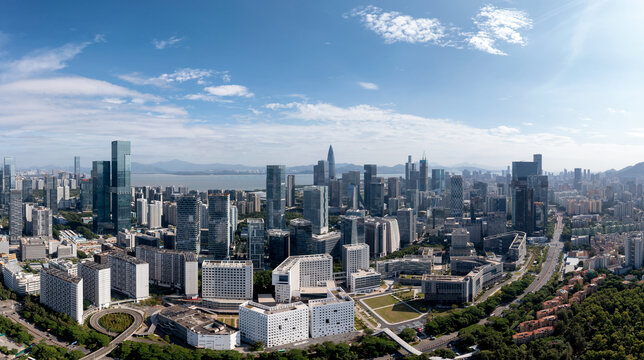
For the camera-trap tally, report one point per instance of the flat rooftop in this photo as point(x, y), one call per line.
point(291, 261)
point(128, 258)
point(227, 263)
point(196, 321)
point(63, 275)
point(270, 310)
point(94, 265)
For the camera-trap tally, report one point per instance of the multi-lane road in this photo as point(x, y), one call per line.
point(138, 321)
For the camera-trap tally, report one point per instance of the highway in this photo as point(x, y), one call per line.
point(138, 321)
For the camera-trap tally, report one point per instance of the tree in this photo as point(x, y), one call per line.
point(408, 334)
point(263, 282)
point(257, 346)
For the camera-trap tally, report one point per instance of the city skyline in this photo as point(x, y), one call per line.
point(377, 80)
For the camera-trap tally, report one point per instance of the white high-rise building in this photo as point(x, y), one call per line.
point(62, 293)
point(170, 268)
point(301, 271)
point(274, 325)
point(333, 315)
point(41, 224)
point(142, 211)
point(155, 213)
point(634, 252)
point(316, 208)
point(355, 257)
point(227, 279)
point(129, 275)
point(97, 283)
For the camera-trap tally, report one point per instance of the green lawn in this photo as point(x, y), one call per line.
point(397, 313)
point(380, 301)
point(419, 305)
point(405, 295)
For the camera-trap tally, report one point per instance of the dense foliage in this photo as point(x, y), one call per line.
point(116, 322)
point(263, 282)
point(62, 325)
point(75, 223)
point(14, 331)
point(459, 319)
point(367, 347)
point(50, 352)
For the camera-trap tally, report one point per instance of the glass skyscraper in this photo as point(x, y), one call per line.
point(188, 233)
point(77, 168)
point(121, 192)
point(219, 223)
point(316, 208)
point(101, 195)
point(275, 197)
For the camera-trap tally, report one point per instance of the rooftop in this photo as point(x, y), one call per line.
point(270, 310)
point(227, 263)
point(196, 321)
point(124, 257)
point(291, 261)
point(189, 256)
point(63, 275)
point(94, 265)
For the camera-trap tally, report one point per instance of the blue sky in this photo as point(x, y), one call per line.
point(256, 82)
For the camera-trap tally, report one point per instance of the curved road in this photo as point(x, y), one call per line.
point(138, 321)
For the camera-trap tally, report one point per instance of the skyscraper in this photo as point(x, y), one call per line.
point(121, 192)
point(278, 246)
point(188, 233)
point(370, 171)
point(330, 158)
point(321, 173)
point(408, 169)
point(275, 197)
point(256, 242)
point(15, 216)
point(523, 195)
point(77, 168)
point(316, 208)
point(352, 230)
point(218, 225)
point(455, 196)
point(100, 195)
point(538, 158)
point(393, 187)
point(85, 186)
point(424, 175)
point(50, 194)
point(27, 190)
point(9, 174)
point(142, 211)
point(351, 189)
point(438, 180)
point(377, 194)
point(290, 190)
point(577, 180)
point(407, 226)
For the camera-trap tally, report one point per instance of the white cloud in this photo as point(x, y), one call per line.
point(43, 60)
point(527, 124)
point(496, 24)
point(178, 76)
point(229, 90)
point(395, 27)
point(368, 85)
point(617, 111)
point(162, 44)
point(504, 130)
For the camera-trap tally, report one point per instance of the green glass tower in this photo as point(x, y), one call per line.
point(121, 192)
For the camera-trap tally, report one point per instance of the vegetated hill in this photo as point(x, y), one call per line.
point(636, 170)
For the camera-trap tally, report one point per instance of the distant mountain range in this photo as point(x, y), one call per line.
point(635, 171)
point(180, 167)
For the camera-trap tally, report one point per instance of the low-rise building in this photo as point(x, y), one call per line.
point(33, 249)
point(19, 281)
point(198, 329)
point(363, 281)
point(481, 273)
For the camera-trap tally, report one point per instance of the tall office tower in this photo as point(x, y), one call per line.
point(62, 292)
point(412, 199)
point(50, 193)
point(423, 177)
point(15, 216)
point(382, 235)
point(352, 230)
point(370, 171)
point(408, 170)
point(96, 283)
point(577, 180)
point(227, 279)
point(142, 211)
point(523, 195)
point(219, 225)
point(290, 191)
point(121, 191)
point(407, 226)
point(41, 222)
point(456, 196)
point(77, 168)
point(275, 197)
point(634, 251)
point(438, 180)
point(155, 213)
point(355, 257)
point(538, 158)
point(188, 238)
point(129, 276)
point(233, 221)
point(377, 194)
point(27, 190)
point(538, 184)
point(316, 208)
point(335, 193)
point(171, 268)
point(203, 215)
point(330, 158)
point(301, 237)
point(321, 173)
point(256, 242)
point(351, 189)
point(86, 194)
point(393, 187)
point(100, 195)
point(278, 246)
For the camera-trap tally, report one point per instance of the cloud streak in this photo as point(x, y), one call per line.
point(368, 85)
point(170, 42)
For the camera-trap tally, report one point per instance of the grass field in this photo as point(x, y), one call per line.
point(397, 313)
point(380, 301)
point(419, 305)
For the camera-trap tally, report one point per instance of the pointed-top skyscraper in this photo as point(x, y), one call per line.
point(331, 159)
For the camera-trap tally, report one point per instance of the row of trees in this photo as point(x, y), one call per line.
point(368, 347)
point(50, 352)
point(459, 319)
point(62, 325)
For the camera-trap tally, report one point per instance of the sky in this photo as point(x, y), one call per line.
point(276, 82)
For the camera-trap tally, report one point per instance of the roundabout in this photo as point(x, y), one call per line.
point(137, 321)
